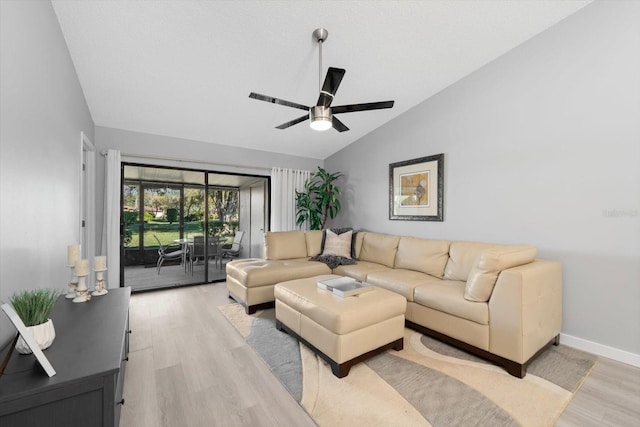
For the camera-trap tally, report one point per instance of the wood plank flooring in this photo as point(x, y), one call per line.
point(189, 367)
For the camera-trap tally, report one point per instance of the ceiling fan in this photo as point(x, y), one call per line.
point(322, 115)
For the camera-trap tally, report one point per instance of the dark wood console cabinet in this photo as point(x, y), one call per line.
point(89, 355)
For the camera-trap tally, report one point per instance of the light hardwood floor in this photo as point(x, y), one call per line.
point(189, 367)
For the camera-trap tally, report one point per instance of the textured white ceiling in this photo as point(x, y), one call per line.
point(185, 68)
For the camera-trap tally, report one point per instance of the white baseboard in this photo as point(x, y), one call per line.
point(601, 350)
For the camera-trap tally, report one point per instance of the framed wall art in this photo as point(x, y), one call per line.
point(416, 189)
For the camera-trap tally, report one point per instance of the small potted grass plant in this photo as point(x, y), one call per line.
point(33, 308)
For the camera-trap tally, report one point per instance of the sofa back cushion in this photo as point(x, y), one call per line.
point(314, 242)
point(358, 243)
point(489, 263)
point(426, 256)
point(379, 248)
point(285, 244)
point(462, 256)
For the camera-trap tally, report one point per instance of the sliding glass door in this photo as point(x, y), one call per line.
point(178, 224)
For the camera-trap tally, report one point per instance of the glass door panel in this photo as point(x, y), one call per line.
point(162, 225)
point(194, 208)
point(133, 223)
point(222, 222)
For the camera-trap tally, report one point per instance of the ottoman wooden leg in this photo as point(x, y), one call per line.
point(340, 370)
point(398, 345)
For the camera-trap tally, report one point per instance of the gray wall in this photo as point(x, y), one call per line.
point(542, 146)
point(42, 112)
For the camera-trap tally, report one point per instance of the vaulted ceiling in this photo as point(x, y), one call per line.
point(185, 68)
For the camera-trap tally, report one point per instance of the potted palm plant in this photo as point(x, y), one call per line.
point(319, 200)
point(33, 308)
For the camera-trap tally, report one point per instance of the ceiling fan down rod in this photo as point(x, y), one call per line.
point(320, 34)
point(320, 66)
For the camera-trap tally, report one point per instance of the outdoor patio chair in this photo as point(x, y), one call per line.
point(233, 251)
point(198, 249)
point(164, 255)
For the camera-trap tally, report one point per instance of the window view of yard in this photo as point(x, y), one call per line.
point(174, 211)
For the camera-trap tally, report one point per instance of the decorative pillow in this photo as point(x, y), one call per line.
point(337, 244)
point(341, 231)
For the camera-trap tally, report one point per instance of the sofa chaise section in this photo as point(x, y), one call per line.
point(251, 281)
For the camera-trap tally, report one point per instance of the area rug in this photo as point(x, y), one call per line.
point(428, 383)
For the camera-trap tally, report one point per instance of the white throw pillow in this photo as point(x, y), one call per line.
point(337, 244)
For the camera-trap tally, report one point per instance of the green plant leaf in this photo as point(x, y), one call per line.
point(34, 306)
point(319, 200)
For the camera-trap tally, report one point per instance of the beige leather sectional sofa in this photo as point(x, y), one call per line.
point(497, 301)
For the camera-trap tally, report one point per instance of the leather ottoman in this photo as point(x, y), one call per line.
point(343, 331)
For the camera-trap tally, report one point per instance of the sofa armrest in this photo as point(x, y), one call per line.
point(525, 309)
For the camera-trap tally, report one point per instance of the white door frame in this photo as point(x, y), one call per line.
point(87, 191)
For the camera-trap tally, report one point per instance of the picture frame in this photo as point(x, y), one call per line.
point(28, 339)
point(416, 189)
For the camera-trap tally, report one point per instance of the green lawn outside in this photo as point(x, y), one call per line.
point(166, 233)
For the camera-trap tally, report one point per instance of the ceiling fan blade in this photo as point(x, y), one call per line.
point(330, 86)
point(277, 101)
point(293, 122)
point(361, 107)
point(338, 125)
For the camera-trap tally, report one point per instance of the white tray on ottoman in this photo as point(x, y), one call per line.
point(342, 330)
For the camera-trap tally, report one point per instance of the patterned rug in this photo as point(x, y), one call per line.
point(429, 383)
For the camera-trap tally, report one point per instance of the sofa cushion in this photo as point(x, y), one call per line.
point(359, 271)
point(462, 256)
point(490, 263)
point(285, 244)
point(357, 244)
point(314, 242)
point(447, 296)
point(427, 256)
point(258, 272)
point(379, 248)
point(340, 315)
point(400, 281)
point(337, 244)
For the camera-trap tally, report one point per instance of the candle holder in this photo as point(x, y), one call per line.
point(82, 271)
point(100, 288)
point(82, 291)
point(73, 283)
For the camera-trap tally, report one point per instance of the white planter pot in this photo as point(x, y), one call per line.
point(43, 334)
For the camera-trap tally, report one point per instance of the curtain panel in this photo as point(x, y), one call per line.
point(284, 184)
point(111, 226)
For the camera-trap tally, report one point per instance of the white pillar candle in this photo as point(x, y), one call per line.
point(82, 267)
point(73, 254)
point(101, 263)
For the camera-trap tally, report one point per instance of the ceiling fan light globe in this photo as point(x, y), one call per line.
point(321, 124)
point(321, 118)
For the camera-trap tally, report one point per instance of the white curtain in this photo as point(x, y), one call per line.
point(284, 183)
point(111, 226)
